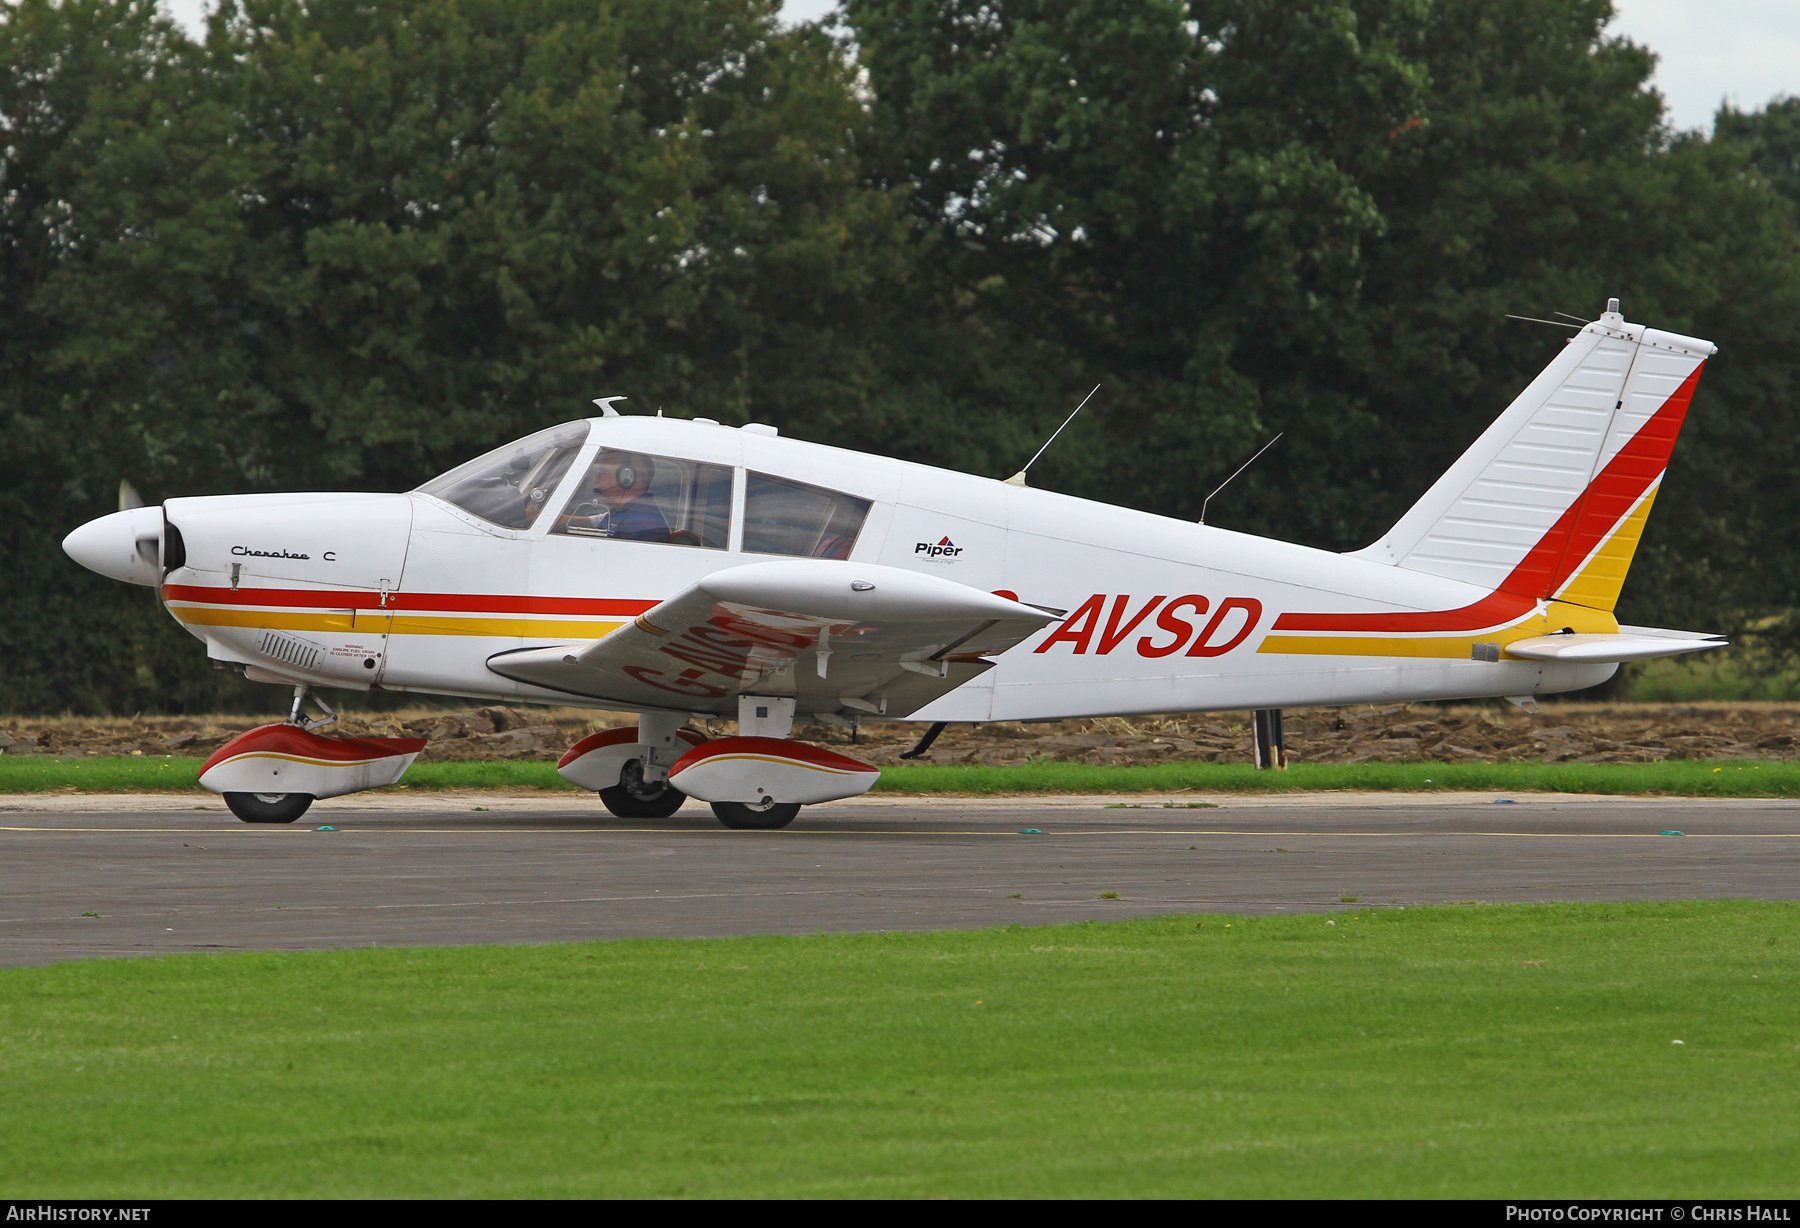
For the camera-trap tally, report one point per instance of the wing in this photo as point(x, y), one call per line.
point(838, 637)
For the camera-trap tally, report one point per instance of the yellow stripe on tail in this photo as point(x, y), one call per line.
point(1597, 584)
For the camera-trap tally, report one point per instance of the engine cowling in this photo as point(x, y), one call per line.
point(758, 771)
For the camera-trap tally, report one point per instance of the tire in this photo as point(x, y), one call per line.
point(268, 807)
point(740, 817)
point(627, 805)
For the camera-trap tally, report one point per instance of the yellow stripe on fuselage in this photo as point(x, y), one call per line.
point(279, 620)
point(1451, 647)
point(373, 622)
point(1369, 646)
point(409, 624)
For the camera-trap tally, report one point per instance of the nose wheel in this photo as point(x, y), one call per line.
point(268, 807)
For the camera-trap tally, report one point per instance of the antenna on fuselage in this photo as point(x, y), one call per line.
point(1018, 479)
point(1228, 481)
point(1536, 320)
point(605, 404)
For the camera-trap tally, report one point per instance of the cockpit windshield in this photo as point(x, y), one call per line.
point(509, 486)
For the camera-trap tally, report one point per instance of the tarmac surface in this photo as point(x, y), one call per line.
point(85, 875)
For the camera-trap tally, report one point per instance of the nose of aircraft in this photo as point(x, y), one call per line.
point(123, 546)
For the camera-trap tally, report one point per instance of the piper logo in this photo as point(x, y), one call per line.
point(944, 548)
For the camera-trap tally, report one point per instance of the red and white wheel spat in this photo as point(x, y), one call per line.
point(289, 759)
point(760, 770)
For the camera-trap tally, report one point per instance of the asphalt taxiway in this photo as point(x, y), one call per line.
point(84, 876)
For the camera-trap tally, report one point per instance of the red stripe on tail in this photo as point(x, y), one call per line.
point(1567, 544)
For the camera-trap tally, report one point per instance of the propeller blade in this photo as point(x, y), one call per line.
point(129, 497)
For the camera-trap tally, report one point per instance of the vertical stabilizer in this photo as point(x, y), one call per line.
point(1552, 498)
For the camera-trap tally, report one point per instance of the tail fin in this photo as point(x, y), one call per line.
point(1551, 500)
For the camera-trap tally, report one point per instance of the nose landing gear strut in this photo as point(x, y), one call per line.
point(303, 694)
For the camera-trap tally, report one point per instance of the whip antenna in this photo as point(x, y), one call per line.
point(1235, 472)
point(1018, 479)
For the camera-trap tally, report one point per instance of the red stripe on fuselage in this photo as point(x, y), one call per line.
point(1549, 564)
point(1491, 611)
point(343, 599)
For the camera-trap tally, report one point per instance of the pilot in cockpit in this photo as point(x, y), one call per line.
point(617, 506)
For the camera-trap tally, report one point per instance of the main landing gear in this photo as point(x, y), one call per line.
point(758, 780)
point(636, 798)
point(629, 767)
point(743, 816)
point(754, 782)
point(269, 807)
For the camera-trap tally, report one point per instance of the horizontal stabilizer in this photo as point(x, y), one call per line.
point(1629, 644)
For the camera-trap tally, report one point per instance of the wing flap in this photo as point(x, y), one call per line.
point(837, 636)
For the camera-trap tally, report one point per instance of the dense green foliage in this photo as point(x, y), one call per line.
point(1771, 141)
point(337, 244)
point(1539, 1051)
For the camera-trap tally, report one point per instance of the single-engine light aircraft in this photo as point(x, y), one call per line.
point(687, 570)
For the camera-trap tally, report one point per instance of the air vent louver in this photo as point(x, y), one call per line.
point(286, 648)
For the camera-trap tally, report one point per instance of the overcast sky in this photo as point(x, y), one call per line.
point(1747, 51)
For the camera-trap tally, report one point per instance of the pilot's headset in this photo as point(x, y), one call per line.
point(632, 472)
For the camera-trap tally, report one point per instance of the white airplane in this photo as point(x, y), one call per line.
point(684, 569)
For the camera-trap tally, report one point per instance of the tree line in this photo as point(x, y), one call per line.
point(343, 244)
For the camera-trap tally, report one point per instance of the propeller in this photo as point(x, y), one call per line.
point(148, 548)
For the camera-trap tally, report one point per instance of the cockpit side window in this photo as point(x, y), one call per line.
point(509, 486)
point(783, 517)
point(637, 497)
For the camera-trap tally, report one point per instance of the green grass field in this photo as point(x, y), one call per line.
point(1515, 1051)
point(1678, 777)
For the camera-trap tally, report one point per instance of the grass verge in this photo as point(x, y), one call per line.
point(1517, 1051)
point(1678, 777)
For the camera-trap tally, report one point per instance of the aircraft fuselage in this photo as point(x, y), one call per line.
point(412, 592)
